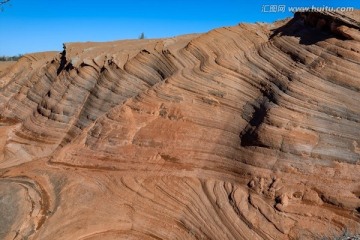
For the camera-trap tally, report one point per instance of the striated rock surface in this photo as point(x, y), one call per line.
point(245, 132)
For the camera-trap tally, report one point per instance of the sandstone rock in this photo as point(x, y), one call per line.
point(245, 132)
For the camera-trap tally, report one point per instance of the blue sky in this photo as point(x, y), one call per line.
point(39, 25)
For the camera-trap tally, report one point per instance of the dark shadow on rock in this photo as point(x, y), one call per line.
point(311, 27)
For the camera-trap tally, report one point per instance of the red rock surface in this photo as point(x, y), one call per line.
point(245, 132)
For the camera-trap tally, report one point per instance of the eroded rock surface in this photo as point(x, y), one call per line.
point(245, 132)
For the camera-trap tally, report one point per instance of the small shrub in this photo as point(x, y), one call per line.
point(10, 58)
point(142, 36)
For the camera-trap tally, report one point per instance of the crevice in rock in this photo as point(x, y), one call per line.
point(249, 136)
point(62, 62)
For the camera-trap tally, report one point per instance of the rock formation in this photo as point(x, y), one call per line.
point(245, 132)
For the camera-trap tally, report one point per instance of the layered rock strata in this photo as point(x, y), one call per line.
point(245, 132)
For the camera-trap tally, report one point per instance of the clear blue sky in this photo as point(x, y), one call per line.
point(41, 25)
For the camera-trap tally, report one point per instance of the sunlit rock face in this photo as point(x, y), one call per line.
point(245, 132)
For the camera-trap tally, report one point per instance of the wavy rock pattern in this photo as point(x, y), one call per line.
point(245, 132)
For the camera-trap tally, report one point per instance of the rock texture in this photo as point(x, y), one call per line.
point(4, 65)
point(245, 132)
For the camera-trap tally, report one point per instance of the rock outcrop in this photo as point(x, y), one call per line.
point(245, 132)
